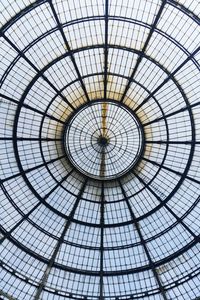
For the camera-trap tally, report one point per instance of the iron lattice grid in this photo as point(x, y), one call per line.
point(63, 234)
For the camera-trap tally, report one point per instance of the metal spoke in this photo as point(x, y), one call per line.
point(25, 216)
point(169, 77)
point(173, 142)
point(69, 50)
point(164, 117)
point(106, 51)
point(153, 27)
point(178, 219)
point(37, 70)
point(102, 241)
point(136, 224)
point(30, 139)
point(60, 241)
point(31, 108)
point(32, 169)
point(170, 170)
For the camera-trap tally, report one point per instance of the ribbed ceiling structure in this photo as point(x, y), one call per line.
point(100, 149)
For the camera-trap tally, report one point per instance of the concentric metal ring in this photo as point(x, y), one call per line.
point(89, 210)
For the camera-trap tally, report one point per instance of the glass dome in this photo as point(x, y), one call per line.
point(100, 149)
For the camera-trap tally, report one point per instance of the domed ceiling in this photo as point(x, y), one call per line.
point(100, 149)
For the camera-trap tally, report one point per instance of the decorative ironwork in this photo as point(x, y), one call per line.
point(100, 147)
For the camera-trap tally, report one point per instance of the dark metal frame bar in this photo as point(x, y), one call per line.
point(106, 50)
point(102, 242)
point(21, 53)
point(188, 107)
point(143, 243)
point(172, 74)
point(69, 50)
point(25, 216)
point(60, 241)
point(144, 49)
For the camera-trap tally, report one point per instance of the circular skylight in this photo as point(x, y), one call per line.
point(103, 140)
point(100, 149)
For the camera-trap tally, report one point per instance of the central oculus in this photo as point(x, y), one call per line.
point(103, 139)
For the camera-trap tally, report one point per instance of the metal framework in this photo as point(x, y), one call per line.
point(100, 149)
